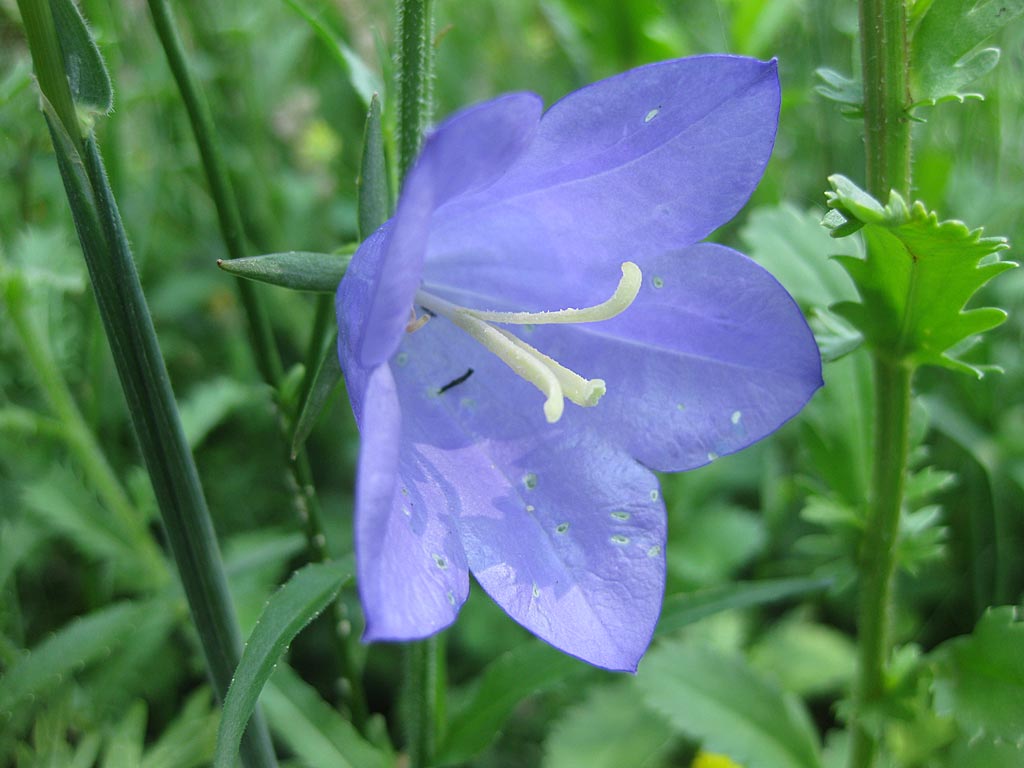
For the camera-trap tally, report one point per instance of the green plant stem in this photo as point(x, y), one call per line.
point(77, 435)
point(424, 674)
point(885, 62)
point(415, 77)
point(299, 475)
point(140, 367)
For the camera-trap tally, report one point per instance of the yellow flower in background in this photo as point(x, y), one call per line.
point(712, 760)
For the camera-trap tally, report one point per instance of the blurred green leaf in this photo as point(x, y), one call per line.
point(846, 91)
point(916, 278)
point(944, 46)
point(985, 752)
point(189, 740)
point(311, 728)
point(292, 607)
point(81, 642)
point(714, 543)
point(610, 728)
point(721, 701)
point(208, 404)
point(125, 745)
point(325, 382)
point(805, 657)
point(682, 609)
point(979, 679)
point(522, 672)
point(86, 70)
point(296, 270)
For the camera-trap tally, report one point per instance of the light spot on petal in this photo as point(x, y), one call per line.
point(658, 281)
point(467, 403)
point(620, 515)
point(561, 528)
point(441, 561)
point(530, 481)
point(618, 538)
point(536, 591)
point(736, 416)
point(405, 491)
point(530, 508)
point(652, 114)
point(654, 551)
point(712, 455)
point(451, 597)
point(406, 511)
point(680, 407)
point(401, 359)
point(654, 495)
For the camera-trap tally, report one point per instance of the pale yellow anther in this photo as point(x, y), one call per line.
point(548, 375)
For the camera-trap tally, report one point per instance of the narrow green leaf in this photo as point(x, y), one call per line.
point(297, 603)
point(325, 381)
point(374, 199)
point(77, 644)
point(125, 745)
point(979, 679)
point(211, 402)
point(531, 668)
point(680, 610)
point(945, 46)
point(918, 275)
point(313, 729)
point(627, 732)
point(364, 80)
point(719, 700)
point(86, 71)
point(189, 740)
point(297, 270)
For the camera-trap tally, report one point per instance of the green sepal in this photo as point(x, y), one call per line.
point(945, 54)
point(86, 70)
point(325, 381)
point(296, 270)
point(918, 275)
point(373, 197)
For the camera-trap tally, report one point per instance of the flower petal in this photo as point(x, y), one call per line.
point(572, 546)
point(411, 566)
point(625, 169)
point(466, 153)
point(712, 356)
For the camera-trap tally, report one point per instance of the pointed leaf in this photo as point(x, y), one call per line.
point(77, 644)
point(86, 71)
point(980, 678)
point(531, 668)
point(945, 55)
point(916, 278)
point(374, 199)
point(325, 381)
point(297, 270)
point(719, 700)
point(296, 604)
point(313, 729)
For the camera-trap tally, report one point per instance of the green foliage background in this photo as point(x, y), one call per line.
point(76, 555)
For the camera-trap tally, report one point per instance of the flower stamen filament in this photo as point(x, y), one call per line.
point(553, 379)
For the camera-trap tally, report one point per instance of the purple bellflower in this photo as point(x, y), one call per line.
point(471, 460)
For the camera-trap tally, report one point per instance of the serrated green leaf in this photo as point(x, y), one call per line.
point(805, 657)
point(979, 679)
point(325, 382)
point(312, 729)
point(531, 668)
point(985, 752)
point(296, 270)
point(944, 47)
point(629, 733)
point(374, 199)
point(683, 609)
point(83, 63)
point(719, 700)
point(292, 607)
point(77, 644)
point(918, 275)
point(845, 91)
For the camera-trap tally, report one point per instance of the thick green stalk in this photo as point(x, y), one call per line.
point(886, 73)
point(299, 475)
point(140, 366)
point(415, 77)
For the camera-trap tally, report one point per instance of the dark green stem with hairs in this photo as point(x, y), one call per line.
point(143, 374)
point(299, 475)
point(886, 72)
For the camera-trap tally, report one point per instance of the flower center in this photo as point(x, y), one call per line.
point(549, 376)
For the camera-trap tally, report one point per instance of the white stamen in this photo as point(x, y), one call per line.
point(548, 375)
point(625, 294)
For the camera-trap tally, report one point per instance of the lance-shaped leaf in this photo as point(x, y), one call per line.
point(296, 270)
point(918, 275)
point(946, 53)
point(87, 73)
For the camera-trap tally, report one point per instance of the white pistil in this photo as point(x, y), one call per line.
point(548, 375)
